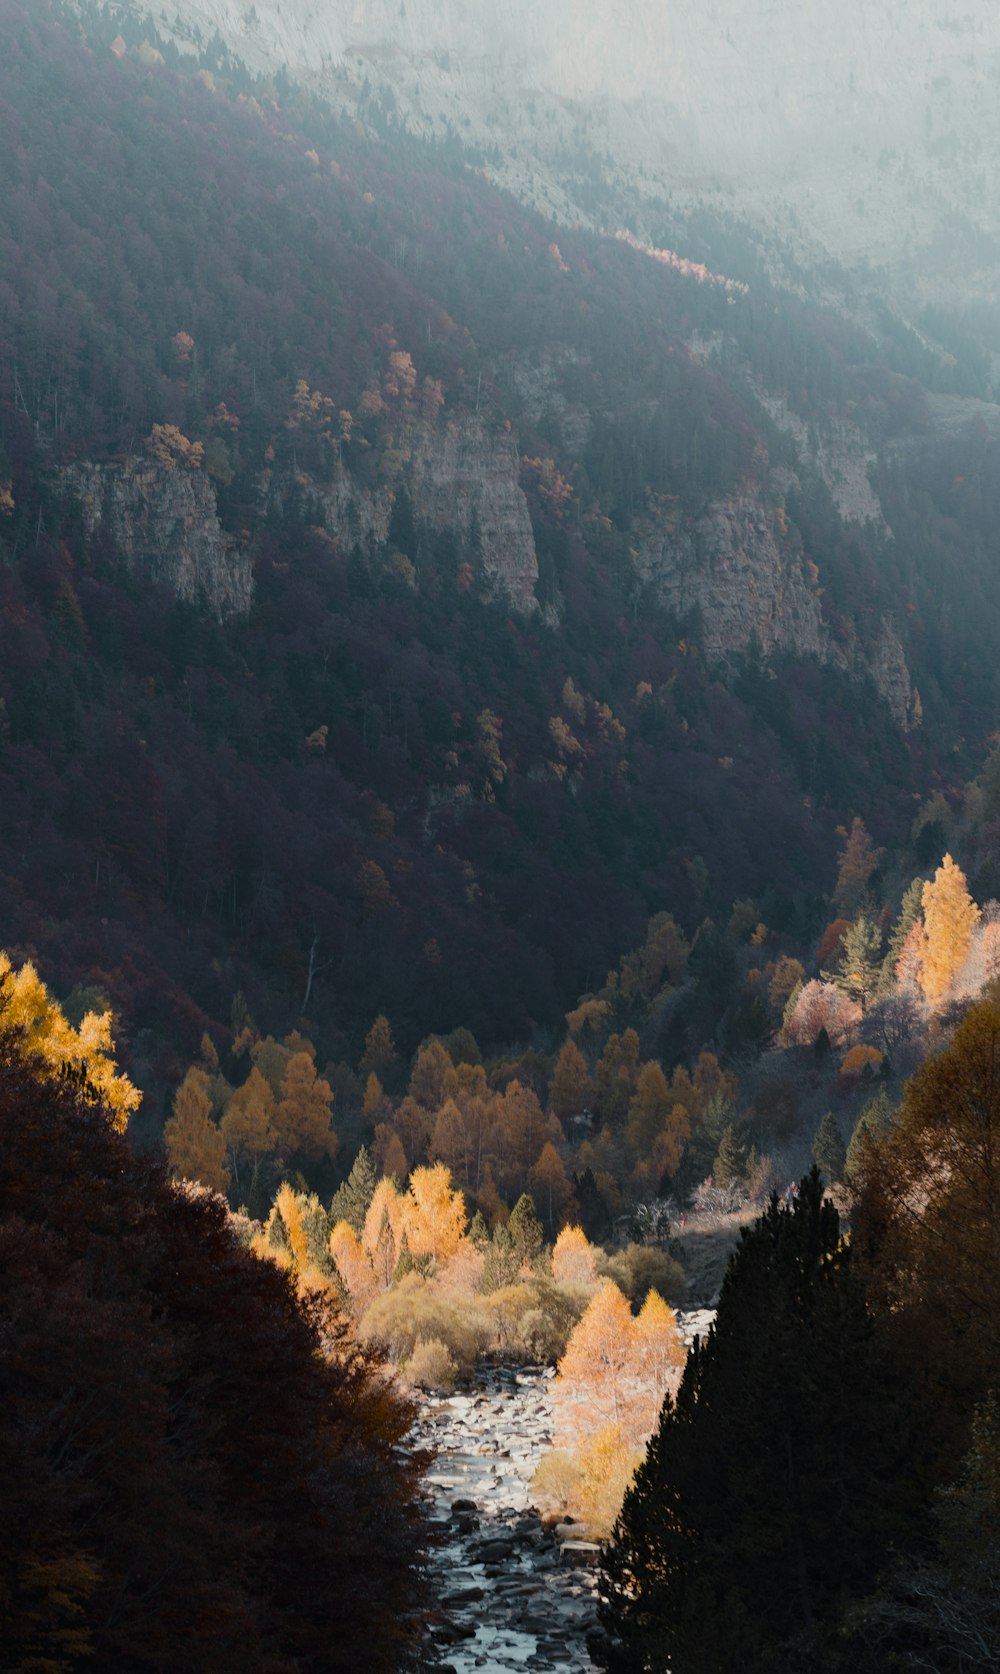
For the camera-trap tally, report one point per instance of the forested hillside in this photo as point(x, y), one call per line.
point(404, 600)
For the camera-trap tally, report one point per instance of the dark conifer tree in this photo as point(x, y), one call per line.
point(780, 1478)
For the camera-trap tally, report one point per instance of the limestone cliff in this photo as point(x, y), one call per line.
point(736, 567)
point(740, 568)
point(459, 476)
point(163, 522)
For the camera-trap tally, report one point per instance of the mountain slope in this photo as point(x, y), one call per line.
point(405, 598)
point(873, 126)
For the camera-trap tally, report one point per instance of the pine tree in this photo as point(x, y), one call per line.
point(729, 1168)
point(780, 1476)
point(502, 1262)
point(479, 1233)
point(828, 1150)
point(876, 1118)
point(351, 1201)
point(859, 965)
point(910, 909)
point(525, 1229)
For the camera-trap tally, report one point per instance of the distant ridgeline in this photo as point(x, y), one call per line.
point(404, 598)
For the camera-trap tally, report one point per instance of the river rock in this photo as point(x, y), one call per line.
point(580, 1554)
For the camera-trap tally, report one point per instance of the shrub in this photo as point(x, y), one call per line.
point(640, 1268)
point(555, 1485)
point(432, 1365)
point(415, 1311)
point(533, 1321)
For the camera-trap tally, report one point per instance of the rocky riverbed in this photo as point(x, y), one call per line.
point(514, 1592)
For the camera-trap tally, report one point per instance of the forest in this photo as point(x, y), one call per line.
point(432, 939)
point(381, 789)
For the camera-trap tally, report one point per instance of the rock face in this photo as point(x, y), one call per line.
point(467, 476)
point(735, 568)
point(740, 569)
point(164, 524)
point(462, 477)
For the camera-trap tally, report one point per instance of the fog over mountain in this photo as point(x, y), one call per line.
point(870, 131)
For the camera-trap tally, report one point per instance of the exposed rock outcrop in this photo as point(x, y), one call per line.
point(740, 568)
point(163, 522)
point(461, 476)
point(735, 567)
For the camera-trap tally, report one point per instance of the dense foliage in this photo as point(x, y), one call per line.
point(782, 1475)
point(198, 1467)
point(181, 256)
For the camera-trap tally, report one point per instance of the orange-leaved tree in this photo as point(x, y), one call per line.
point(433, 1213)
point(950, 916)
point(573, 1258)
point(196, 1148)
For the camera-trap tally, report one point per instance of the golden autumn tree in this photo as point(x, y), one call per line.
point(657, 1361)
point(550, 1186)
point(431, 1068)
point(196, 1149)
point(858, 860)
point(247, 1128)
point(382, 1235)
point(950, 916)
point(590, 1389)
point(380, 1051)
point(85, 1052)
point(649, 1107)
point(574, 1259)
point(570, 1090)
point(303, 1118)
point(927, 1216)
point(433, 1213)
point(353, 1265)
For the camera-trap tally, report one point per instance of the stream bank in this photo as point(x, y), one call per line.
point(515, 1591)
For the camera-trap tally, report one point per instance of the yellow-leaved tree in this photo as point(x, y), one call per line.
point(196, 1147)
point(574, 1259)
point(590, 1388)
point(84, 1053)
point(434, 1214)
point(950, 916)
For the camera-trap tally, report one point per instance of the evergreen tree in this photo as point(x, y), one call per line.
point(502, 1262)
point(781, 1475)
point(595, 1216)
point(859, 966)
point(478, 1231)
point(910, 909)
point(729, 1168)
point(828, 1150)
point(352, 1200)
point(525, 1229)
point(875, 1119)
